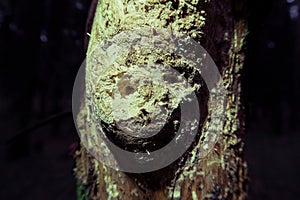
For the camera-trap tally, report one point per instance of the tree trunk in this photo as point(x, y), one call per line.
point(220, 27)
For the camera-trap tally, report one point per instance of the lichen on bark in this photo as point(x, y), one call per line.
point(218, 174)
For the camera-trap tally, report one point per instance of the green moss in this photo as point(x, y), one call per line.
point(82, 193)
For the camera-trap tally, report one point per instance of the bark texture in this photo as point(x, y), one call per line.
point(220, 27)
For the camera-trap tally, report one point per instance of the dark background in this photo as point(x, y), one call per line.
point(41, 49)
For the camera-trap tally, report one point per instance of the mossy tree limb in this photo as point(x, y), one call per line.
point(220, 27)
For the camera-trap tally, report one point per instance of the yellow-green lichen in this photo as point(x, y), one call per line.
point(111, 188)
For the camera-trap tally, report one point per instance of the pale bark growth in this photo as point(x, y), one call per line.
point(218, 174)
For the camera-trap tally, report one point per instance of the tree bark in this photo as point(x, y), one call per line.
point(220, 27)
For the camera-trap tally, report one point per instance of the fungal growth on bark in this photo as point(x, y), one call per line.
point(143, 90)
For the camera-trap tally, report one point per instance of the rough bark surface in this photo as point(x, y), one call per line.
point(220, 27)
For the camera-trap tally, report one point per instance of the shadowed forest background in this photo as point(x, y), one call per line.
point(41, 49)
